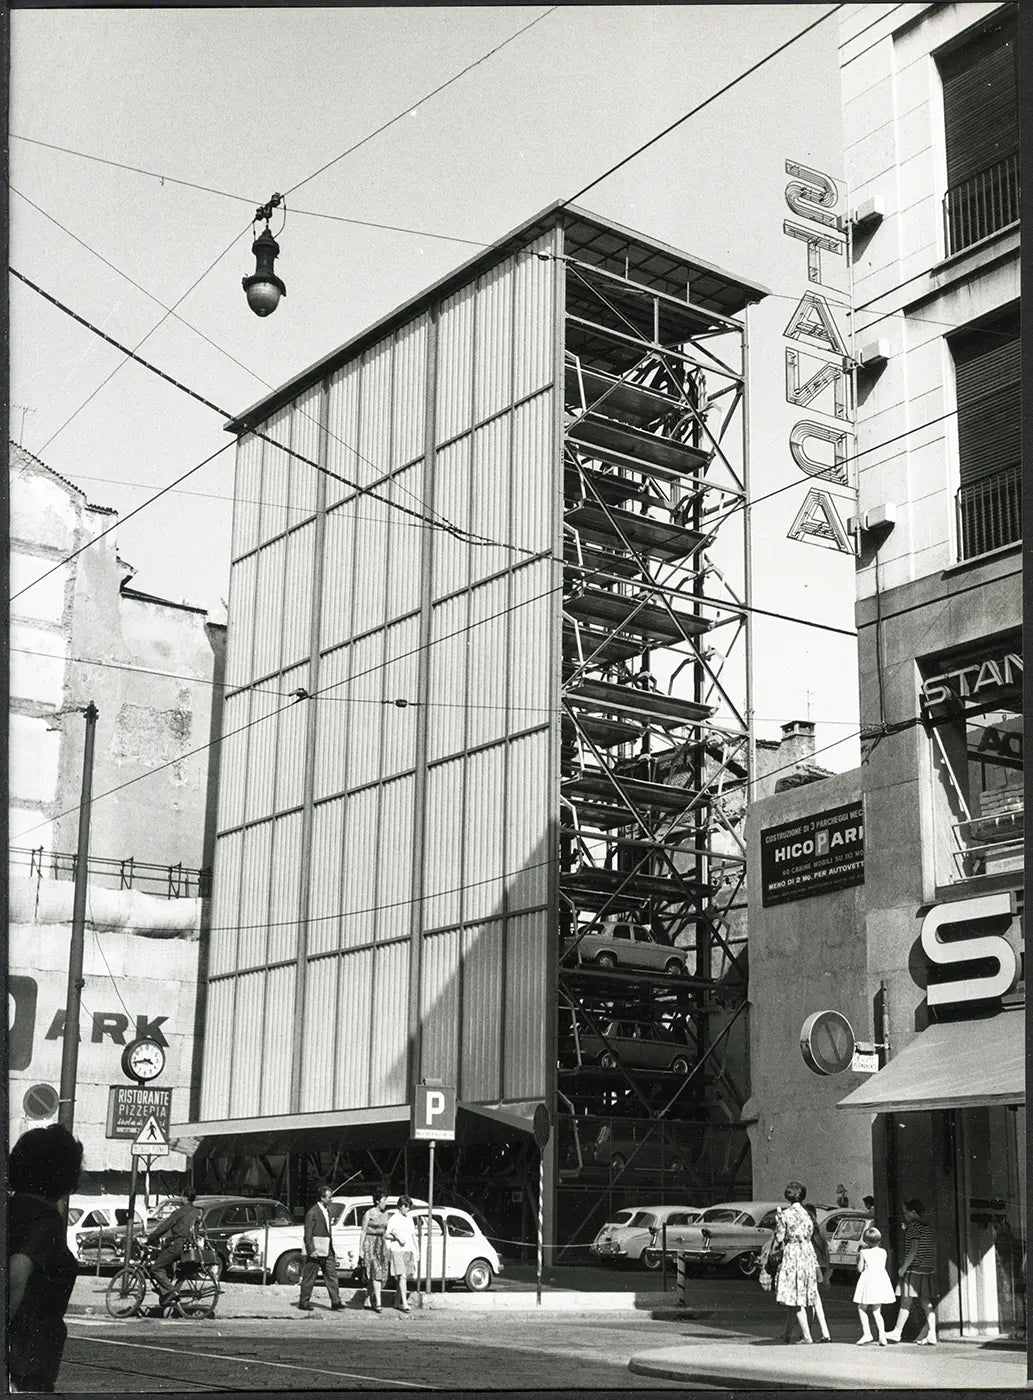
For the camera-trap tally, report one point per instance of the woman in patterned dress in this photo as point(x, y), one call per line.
point(796, 1283)
point(373, 1248)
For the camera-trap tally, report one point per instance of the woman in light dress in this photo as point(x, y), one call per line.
point(402, 1248)
point(796, 1283)
point(873, 1287)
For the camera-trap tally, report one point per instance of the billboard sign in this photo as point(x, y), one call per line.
point(131, 1108)
point(814, 855)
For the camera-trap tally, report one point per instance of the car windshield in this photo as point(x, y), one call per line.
point(723, 1216)
point(851, 1229)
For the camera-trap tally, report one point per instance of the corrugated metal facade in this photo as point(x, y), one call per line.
point(382, 878)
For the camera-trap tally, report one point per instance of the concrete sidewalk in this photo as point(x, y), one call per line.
point(767, 1365)
point(252, 1300)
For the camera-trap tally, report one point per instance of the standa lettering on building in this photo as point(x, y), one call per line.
point(817, 362)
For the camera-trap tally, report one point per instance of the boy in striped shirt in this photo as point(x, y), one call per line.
point(917, 1273)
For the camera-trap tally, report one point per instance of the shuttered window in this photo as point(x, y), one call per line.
point(986, 366)
point(980, 102)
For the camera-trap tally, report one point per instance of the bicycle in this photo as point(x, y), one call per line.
point(196, 1287)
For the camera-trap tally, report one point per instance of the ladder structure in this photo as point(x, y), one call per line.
point(655, 745)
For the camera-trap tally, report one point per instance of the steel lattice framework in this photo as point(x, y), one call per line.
point(656, 739)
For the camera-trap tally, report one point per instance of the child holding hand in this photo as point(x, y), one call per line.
point(873, 1287)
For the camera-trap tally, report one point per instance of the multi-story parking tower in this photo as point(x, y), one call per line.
point(487, 735)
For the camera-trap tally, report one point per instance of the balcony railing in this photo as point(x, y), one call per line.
point(990, 844)
point(982, 204)
point(165, 881)
point(990, 513)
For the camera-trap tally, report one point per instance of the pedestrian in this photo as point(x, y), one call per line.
point(319, 1252)
point(820, 1245)
point(869, 1204)
point(402, 1250)
point(181, 1229)
point(873, 1287)
point(796, 1286)
point(842, 1197)
point(917, 1274)
point(373, 1248)
point(43, 1169)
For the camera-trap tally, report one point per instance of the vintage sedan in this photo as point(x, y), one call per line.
point(278, 1249)
point(730, 1234)
point(636, 1234)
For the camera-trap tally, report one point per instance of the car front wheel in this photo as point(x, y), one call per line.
point(288, 1268)
point(747, 1263)
point(478, 1276)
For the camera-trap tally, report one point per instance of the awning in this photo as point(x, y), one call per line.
point(955, 1064)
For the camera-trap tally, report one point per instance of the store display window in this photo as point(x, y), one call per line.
point(972, 708)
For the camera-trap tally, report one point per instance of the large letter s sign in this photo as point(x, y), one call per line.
point(962, 950)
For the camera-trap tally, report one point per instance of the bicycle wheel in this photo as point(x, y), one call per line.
point(198, 1295)
point(125, 1293)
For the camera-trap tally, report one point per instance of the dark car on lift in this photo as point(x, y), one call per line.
point(225, 1216)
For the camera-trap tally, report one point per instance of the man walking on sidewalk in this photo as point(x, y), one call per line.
point(319, 1253)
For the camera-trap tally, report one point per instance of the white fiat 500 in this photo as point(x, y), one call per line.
point(459, 1251)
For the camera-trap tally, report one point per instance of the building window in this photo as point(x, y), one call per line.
point(987, 390)
point(972, 707)
point(981, 134)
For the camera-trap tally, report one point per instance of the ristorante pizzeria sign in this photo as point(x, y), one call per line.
point(814, 855)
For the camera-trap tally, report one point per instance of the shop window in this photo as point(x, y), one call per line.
point(987, 374)
point(972, 706)
point(981, 134)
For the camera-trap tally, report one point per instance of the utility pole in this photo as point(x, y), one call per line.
point(70, 1049)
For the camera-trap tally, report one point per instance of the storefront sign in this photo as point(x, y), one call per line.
point(812, 856)
point(130, 1109)
point(817, 362)
point(975, 680)
point(970, 947)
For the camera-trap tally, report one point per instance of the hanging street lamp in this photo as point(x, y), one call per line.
point(263, 288)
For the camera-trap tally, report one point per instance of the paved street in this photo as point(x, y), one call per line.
point(438, 1349)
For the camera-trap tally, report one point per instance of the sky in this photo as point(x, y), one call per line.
point(217, 109)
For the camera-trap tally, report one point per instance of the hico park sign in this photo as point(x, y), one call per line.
point(815, 855)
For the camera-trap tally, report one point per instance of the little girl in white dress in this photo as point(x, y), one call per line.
point(873, 1287)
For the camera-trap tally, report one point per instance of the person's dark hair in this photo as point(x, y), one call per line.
point(795, 1191)
point(321, 1186)
point(405, 1202)
point(380, 1193)
point(868, 1202)
point(46, 1162)
point(914, 1204)
point(190, 1195)
point(871, 1235)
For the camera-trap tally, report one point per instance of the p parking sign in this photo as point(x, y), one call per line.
point(434, 1113)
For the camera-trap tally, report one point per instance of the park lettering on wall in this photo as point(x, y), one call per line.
point(813, 855)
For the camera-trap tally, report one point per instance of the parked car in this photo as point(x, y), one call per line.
point(459, 1250)
point(223, 1217)
point(637, 1044)
point(732, 1233)
point(96, 1228)
point(629, 946)
point(845, 1238)
point(280, 1250)
point(636, 1234)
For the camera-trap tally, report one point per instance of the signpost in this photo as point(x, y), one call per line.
point(433, 1120)
point(542, 1132)
point(142, 1114)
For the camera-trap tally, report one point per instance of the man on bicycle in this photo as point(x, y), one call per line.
point(180, 1227)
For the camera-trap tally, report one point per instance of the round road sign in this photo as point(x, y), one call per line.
point(542, 1126)
point(827, 1042)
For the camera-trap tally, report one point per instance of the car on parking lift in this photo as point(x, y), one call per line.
point(629, 947)
point(731, 1234)
point(636, 1234)
point(637, 1044)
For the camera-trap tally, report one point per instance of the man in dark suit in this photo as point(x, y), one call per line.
point(319, 1253)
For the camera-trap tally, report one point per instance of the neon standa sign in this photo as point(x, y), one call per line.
point(817, 363)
